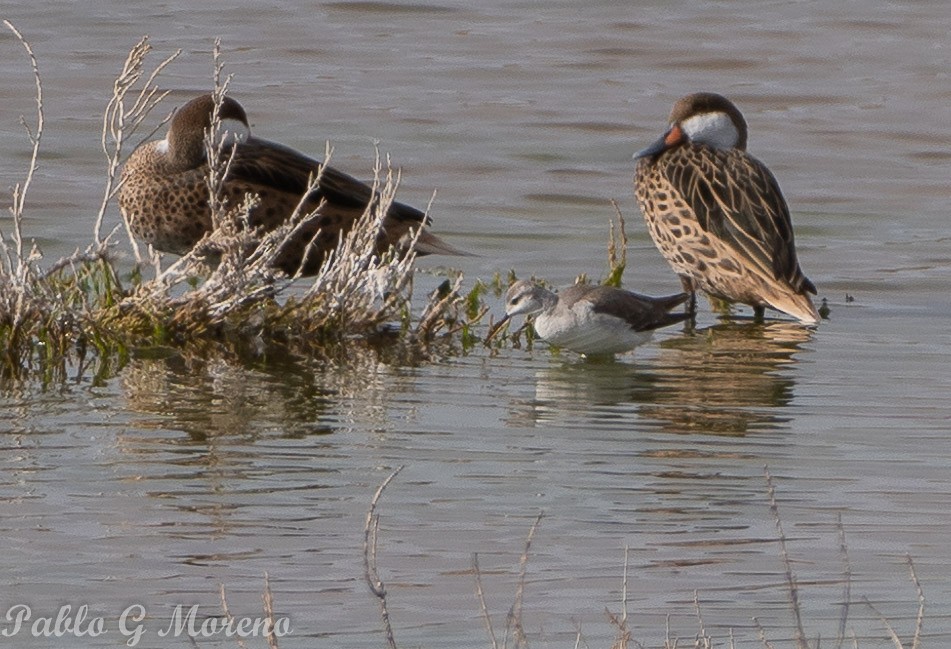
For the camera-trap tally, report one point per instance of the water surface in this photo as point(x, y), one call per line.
point(177, 475)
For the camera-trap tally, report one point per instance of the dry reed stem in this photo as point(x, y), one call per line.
point(515, 613)
point(370, 573)
point(268, 600)
point(627, 551)
point(920, 617)
point(20, 304)
point(480, 594)
point(227, 611)
point(847, 587)
point(623, 634)
point(892, 634)
point(761, 633)
point(355, 283)
point(801, 642)
point(513, 620)
point(703, 640)
point(273, 240)
point(17, 266)
point(119, 123)
point(215, 142)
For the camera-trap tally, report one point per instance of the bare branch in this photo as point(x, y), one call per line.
point(227, 612)
point(847, 587)
point(761, 632)
point(888, 627)
point(120, 122)
point(703, 632)
point(479, 593)
point(801, 642)
point(514, 620)
point(920, 617)
point(269, 613)
point(20, 190)
point(369, 558)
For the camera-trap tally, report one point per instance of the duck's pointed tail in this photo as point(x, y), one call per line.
point(429, 244)
point(799, 306)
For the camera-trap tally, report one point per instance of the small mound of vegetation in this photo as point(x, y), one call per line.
point(223, 296)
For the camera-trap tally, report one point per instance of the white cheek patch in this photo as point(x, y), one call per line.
point(234, 130)
point(713, 129)
point(161, 146)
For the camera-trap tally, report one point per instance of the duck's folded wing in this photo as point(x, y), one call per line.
point(737, 199)
point(272, 165)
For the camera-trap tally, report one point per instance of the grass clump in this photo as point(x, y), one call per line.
point(224, 295)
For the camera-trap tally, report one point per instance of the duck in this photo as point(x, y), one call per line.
point(163, 194)
point(717, 214)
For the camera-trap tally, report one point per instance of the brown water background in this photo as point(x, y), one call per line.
point(157, 485)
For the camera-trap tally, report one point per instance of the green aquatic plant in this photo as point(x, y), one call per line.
point(499, 284)
point(617, 250)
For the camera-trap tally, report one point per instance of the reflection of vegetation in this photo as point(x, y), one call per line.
point(724, 379)
point(214, 397)
point(84, 310)
point(211, 398)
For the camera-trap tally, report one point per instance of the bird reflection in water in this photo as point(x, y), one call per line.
point(726, 379)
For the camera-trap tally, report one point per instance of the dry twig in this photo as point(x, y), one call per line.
point(121, 121)
point(847, 587)
point(18, 267)
point(370, 573)
point(227, 611)
point(515, 613)
point(268, 599)
point(623, 633)
point(801, 642)
point(920, 617)
point(480, 594)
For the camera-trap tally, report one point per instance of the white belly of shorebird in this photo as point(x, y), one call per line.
point(582, 330)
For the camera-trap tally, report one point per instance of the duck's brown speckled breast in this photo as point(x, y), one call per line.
point(168, 210)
